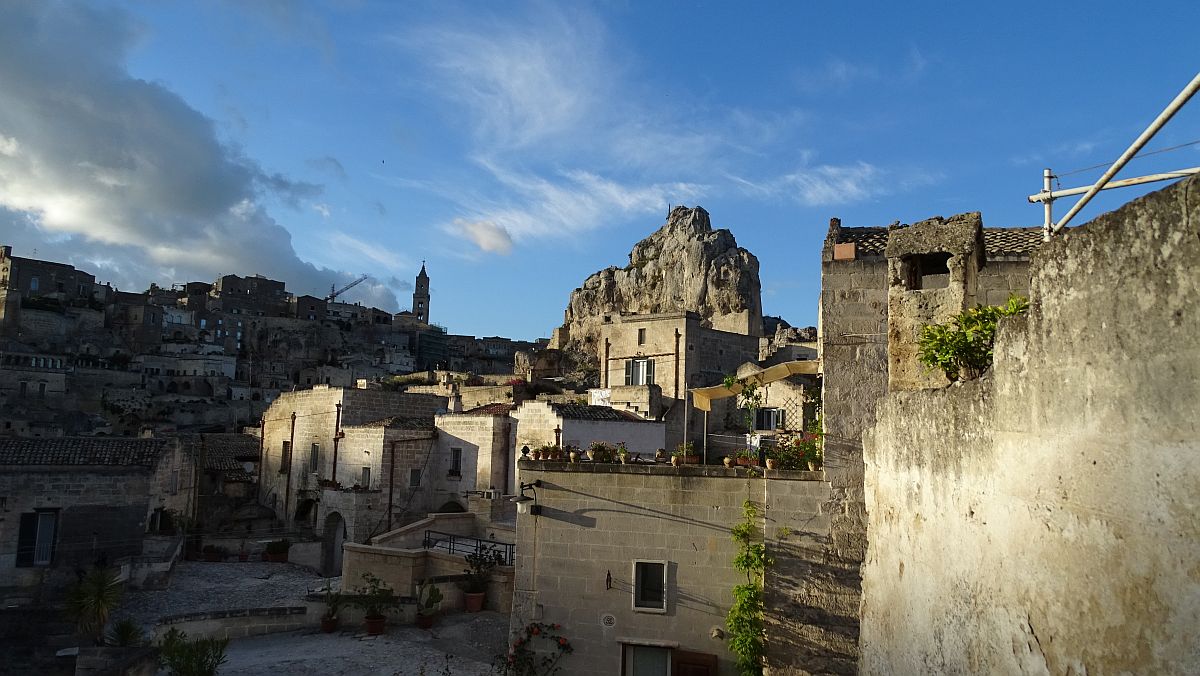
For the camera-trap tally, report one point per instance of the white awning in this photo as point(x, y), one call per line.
point(702, 397)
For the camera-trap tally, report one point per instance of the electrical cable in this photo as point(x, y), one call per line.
point(1135, 157)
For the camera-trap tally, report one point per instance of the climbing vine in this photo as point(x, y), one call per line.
point(745, 620)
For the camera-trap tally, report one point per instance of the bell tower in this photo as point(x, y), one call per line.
point(420, 305)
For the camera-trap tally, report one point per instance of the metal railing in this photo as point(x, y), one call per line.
point(463, 545)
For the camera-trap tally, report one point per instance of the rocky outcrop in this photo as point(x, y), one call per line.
point(685, 265)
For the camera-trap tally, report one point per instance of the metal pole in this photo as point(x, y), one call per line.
point(1049, 208)
point(1163, 117)
point(1050, 196)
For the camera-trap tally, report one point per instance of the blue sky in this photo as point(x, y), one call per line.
point(519, 147)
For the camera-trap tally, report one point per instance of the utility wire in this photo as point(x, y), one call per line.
point(1136, 157)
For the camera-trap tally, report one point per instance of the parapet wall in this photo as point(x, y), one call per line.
point(1042, 519)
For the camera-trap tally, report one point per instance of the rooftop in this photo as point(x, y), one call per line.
point(92, 451)
point(491, 409)
point(396, 422)
point(998, 242)
point(585, 412)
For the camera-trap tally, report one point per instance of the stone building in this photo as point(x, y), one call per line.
point(28, 282)
point(71, 502)
point(420, 304)
point(473, 463)
point(675, 352)
point(853, 342)
point(338, 461)
point(1041, 518)
point(635, 563)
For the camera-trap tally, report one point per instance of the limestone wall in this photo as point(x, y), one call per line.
point(1043, 519)
point(596, 520)
point(853, 342)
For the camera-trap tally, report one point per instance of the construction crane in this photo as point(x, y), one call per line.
point(334, 292)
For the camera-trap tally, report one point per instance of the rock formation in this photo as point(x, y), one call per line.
point(685, 265)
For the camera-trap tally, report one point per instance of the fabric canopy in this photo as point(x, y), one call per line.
point(702, 397)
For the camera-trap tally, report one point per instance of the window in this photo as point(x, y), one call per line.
point(650, 586)
point(174, 482)
point(41, 390)
point(641, 336)
point(456, 462)
point(768, 419)
point(314, 458)
point(33, 283)
point(639, 372)
point(926, 271)
point(644, 660)
point(24, 388)
point(366, 477)
point(285, 458)
point(414, 478)
point(35, 539)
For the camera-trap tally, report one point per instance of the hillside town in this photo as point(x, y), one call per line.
point(973, 449)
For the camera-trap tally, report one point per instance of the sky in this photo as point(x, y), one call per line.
point(515, 148)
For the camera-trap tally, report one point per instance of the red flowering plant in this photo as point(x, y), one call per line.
point(523, 659)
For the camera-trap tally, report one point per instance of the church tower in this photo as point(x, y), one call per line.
point(420, 306)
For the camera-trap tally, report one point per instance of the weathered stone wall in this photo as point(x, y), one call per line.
point(853, 342)
point(1042, 519)
point(596, 520)
point(100, 511)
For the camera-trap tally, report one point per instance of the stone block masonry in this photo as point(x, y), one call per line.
point(1042, 519)
point(576, 561)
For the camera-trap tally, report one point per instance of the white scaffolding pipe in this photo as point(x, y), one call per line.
point(1048, 195)
point(1163, 117)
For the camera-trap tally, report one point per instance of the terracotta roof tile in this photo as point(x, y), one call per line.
point(585, 412)
point(997, 241)
point(110, 451)
point(491, 409)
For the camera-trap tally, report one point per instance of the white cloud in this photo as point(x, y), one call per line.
point(323, 209)
point(486, 235)
point(826, 184)
point(123, 170)
point(349, 249)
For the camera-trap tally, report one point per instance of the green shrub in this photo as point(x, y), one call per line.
point(962, 347)
point(201, 657)
point(746, 618)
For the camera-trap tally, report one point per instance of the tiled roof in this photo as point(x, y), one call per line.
point(491, 409)
point(584, 412)
point(401, 423)
point(1011, 241)
point(110, 451)
point(869, 241)
point(997, 241)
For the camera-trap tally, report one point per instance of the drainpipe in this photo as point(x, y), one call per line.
point(391, 484)
point(337, 436)
point(262, 440)
point(287, 494)
point(604, 365)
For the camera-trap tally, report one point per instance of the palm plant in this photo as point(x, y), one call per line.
point(92, 599)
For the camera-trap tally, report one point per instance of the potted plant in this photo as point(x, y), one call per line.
point(277, 550)
point(728, 461)
point(623, 453)
point(772, 461)
point(660, 455)
point(213, 553)
point(601, 452)
point(429, 599)
point(687, 451)
point(375, 599)
point(333, 603)
point(482, 562)
point(573, 454)
point(748, 457)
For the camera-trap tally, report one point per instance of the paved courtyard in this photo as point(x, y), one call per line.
point(459, 644)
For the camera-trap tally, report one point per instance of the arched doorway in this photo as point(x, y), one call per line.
point(452, 507)
point(334, 537)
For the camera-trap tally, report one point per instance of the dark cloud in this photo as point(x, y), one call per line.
point(96, 165)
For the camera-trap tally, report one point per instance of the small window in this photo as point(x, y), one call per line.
point(314, 459)
point(650, 586)
point(174, 482)
point(41, 390)
point(24, 388)
point(641, 336)
point(414, 478)
point(927, 271)
point(33, 283)
point(456, 462)
point(768, 419)
point(285, 458)
point(35, 538)
point(366, 478)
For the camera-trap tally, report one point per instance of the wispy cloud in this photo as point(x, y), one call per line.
point(1066, 150)
point(486, 235)
point(826, 185)
point(348, 248)
point(322, 209)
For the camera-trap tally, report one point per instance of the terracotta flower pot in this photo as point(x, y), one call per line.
point(329, 624)
point(375, 625)
point(729, 462)
point(772, 463)
point(574, 457)
point(676, 460)
point(473, 602)
point(691, 459)
point(812, 466)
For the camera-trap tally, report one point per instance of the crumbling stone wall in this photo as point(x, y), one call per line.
point(853, 343)
point(1042, 519)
